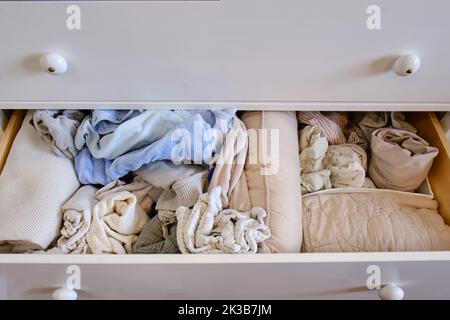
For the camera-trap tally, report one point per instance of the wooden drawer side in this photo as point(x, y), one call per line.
point(429, 128)
point(12, 128)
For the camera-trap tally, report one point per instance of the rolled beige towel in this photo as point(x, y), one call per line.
point(400, 159)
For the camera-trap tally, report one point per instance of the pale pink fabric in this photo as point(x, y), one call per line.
point(229, 171)
point(332, 124)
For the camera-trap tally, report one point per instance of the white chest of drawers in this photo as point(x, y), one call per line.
point(253, 54)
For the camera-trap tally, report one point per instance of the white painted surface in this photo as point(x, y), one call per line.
point(332, 280)
point(229, 51)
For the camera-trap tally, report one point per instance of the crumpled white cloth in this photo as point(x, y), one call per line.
point(77, 215)
point(209, 229)
point(119, 216)
point(313, 149)
point(315, 181)
point(347, 164)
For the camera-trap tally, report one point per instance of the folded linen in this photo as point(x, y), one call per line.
point(58, 128)
point(372, 121)
point(119, 216)
point(151, 239)
point(209, 229)
point(229, 169)
point(400, 159)
point(34, 185)
point(195, 140)
point(376, 221)
point(347, 164)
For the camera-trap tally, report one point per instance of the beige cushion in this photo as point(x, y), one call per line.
point(275, 186)
point(372, 221)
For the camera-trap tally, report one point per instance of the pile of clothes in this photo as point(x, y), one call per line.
point(361, 150)
point(152, 181)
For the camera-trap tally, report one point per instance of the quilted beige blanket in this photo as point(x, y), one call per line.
point(372, 221)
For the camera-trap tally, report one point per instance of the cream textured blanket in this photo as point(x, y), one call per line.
point(34, 185)
point(209, 229)
point(372, 221)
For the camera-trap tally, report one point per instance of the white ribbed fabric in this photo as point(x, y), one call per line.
point(34, 185)
point(209, 229)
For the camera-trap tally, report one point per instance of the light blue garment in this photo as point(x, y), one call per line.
point(132, 134)
point(106, 121)
point(193, 141)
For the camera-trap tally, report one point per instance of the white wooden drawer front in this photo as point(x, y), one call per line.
point(252, 51)
point(213, 277)
point(422, 275)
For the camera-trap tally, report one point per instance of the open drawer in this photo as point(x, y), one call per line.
point(269, 276)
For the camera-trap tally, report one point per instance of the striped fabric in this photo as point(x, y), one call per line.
point(356, 136)
point(332, 124)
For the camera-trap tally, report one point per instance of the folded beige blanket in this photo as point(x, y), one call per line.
point(34, 185)
point(400, 159)
point(372, 121)
point(375, 221)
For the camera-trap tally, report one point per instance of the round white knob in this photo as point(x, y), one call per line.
point(407, 65)
point(65, 294)
point(53, 63)
point(391, 292)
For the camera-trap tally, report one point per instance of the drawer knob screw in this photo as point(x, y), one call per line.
point(407, 65)
point(54, 63)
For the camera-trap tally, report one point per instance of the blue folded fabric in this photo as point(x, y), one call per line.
point(106, 121)
point(132, 134)
point(191, 141)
